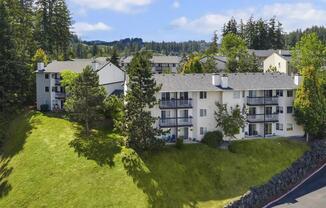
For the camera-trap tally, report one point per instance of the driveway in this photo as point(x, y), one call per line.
point(312, 193)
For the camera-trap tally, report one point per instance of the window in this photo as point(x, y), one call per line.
point(279, 65)
point(203, 130)
point(236, 94)
point(252, 111)
point(268, 93)
point(279, 93)
point(46, 76)
point(252, 93)
point(165, 96)
point(279, 126)
point(243, 94)
point(173, 65)
point(54, 89)
point(290, 93)
point(46, 89)
point(183, 95)
point(203, 112)
point(203, 95)
point(289, 109)
point(289, 127)
point(279, 109)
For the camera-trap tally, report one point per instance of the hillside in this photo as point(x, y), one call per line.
point(40, 169)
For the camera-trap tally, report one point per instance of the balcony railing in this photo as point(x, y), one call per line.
point(262, 100)
point(57, 81)
point(177, 103)
point(60, 95)
point(174, 122)
point(257, 118)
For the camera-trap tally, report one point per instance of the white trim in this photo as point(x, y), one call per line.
point(281, 197)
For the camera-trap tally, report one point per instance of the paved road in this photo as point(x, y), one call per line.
point(311, 194)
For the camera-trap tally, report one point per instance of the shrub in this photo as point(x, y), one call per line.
point(213, 138)
point(44, 108)
point(179, 143)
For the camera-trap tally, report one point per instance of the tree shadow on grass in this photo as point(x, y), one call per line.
point(182, 183)
point(16, 135)
point(100, 146)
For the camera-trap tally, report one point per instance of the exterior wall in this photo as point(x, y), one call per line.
point(111, 77)
point(277, 61)
point(231, 99)
point(208, 121)
point(43, 97)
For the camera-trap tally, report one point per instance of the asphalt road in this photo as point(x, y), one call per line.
point(311, 194)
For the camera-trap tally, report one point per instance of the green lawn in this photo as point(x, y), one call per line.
point(40, 169)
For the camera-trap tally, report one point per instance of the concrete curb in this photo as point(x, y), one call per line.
point(294, 188)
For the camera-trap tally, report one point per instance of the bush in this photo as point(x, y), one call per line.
point(44, 108)
point(213, 138)
point(179, 143)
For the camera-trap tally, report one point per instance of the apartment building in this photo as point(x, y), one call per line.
point(160, 64)
point(49, 91)
point(187, 104)
point(262, 55)
point(280, 62)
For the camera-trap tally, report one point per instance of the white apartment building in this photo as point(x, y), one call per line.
point(160, 64)
point(50, 92)
point(282, 63)
point(187, 104)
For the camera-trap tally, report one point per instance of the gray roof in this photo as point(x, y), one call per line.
point(237, 81)
point(158, 59)
point(76, 65)
point(266, 53)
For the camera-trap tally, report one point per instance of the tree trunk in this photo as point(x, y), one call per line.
point(87, 126)
point(307, 137)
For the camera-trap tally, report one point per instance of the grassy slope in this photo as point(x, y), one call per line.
point(39, 169)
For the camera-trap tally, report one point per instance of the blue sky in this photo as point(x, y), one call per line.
point(180, 20)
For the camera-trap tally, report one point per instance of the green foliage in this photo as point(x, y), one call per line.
point(309, 52)
point(292, 38)
point(138, 122)
point(115, 58)
point(15, 76)
point(113, 109)
point(213, 139)
point(179, 143)
point(67, 78)
point(258, 34)
point(40, 56)
point(85, 98)
point(272, 69)
point(230, 121)
point(310, 102)
point(213, 48)
point(238, 57)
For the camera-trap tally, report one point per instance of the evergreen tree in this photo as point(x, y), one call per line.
point(14, 74)
point(213, 48)
point(115, 58)
point(138, 122)
point(230, 27)
point(85, 98)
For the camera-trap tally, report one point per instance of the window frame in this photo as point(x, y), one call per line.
point(202, 95)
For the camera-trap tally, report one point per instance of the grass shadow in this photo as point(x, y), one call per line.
point(16, 134)
point(101, 145)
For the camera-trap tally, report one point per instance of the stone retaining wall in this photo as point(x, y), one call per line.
point(281, 183)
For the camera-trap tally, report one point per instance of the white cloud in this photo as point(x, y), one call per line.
point(293, 16)
point(80, 28)
point(116, 5)
point(176, 4)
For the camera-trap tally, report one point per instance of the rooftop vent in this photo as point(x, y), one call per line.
point(225, 81)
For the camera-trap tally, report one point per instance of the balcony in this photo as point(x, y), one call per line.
point(57, 81)
point(60, 95)
point(260, 118)
point(262, 100)
point(177, 103)
point(175, 122)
